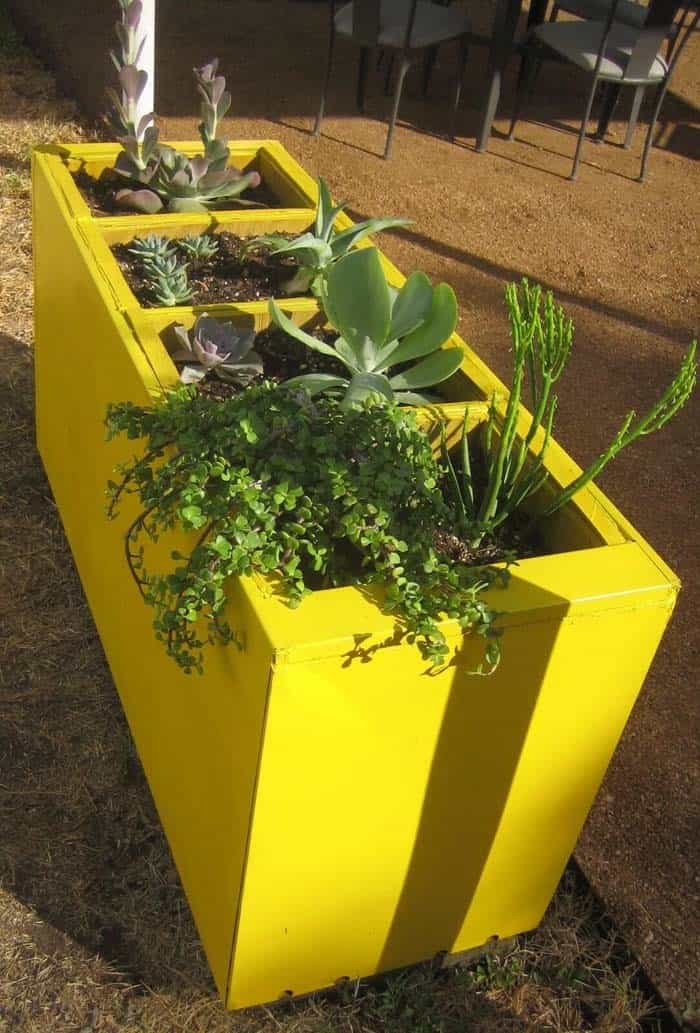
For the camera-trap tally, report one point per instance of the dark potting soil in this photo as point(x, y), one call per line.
point(229, 276)
point(508, 542)
point(99, 193)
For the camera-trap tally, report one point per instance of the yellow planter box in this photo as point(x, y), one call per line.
point(333, 810)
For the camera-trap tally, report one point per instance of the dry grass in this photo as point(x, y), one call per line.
point(95, 933)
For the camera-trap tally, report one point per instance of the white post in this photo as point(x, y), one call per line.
point(147, 61)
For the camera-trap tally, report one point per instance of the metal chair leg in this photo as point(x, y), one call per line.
point(428, 65)
point(611, 96)
point(634, 115)
point(362, 78)
point(461, 68)
point(403, 68)
point(327, 79)
point(652, 126)
point(584, 126)
point(529, 70)
point(388, 75)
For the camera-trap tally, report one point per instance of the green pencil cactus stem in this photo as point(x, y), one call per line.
point(672, 400)
point(542, 338)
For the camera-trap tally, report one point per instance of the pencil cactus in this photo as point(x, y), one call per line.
point(542, 337)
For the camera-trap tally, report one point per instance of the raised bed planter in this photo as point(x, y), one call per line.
point(333, 811)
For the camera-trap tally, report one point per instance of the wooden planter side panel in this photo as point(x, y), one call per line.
point(201, 771)
point(421, 814)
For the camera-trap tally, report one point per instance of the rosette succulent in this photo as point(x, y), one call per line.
point(218, 348)
point(317, 249)
point(380, 328)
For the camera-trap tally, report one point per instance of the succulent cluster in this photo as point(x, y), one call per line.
point(155, 175)
point(198, 249)
point(316, 250)
point(151, 248)
point(217, 348)
point(164, 269)
point(167, 280)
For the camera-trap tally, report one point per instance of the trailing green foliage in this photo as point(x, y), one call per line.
point(318, 248)
point(380, 328)
point(276, 482)
point(216, 347)
point(542, 338)
point(155, 175)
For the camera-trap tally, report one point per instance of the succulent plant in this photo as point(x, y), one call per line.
point(380, 328)
point(151, 247)
point(157, 176)
point(198, 249)
point(167, 280)
point(510, 473)
point(215, 347)
point(318, 248)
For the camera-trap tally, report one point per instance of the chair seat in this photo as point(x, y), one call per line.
point(579, 42)
point(627, 12)
point(433, 23)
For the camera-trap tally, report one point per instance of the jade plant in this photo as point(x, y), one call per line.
point(316, 250)
point(274, 482)
point(217, 348)
point(380, 328)
point(155, 175)
point(542, 337)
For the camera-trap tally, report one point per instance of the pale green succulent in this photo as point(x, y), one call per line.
point(380, 328)
point(316, 250)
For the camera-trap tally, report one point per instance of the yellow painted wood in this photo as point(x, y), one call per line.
point(333, 809)
point(398, 815)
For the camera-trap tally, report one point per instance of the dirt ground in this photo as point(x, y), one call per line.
point(622, 257)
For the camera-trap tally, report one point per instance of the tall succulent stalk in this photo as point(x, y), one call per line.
point(132, 80)
point(542, 337)
point(156, 175)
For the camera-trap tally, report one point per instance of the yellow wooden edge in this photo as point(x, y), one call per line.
point(137, 354)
